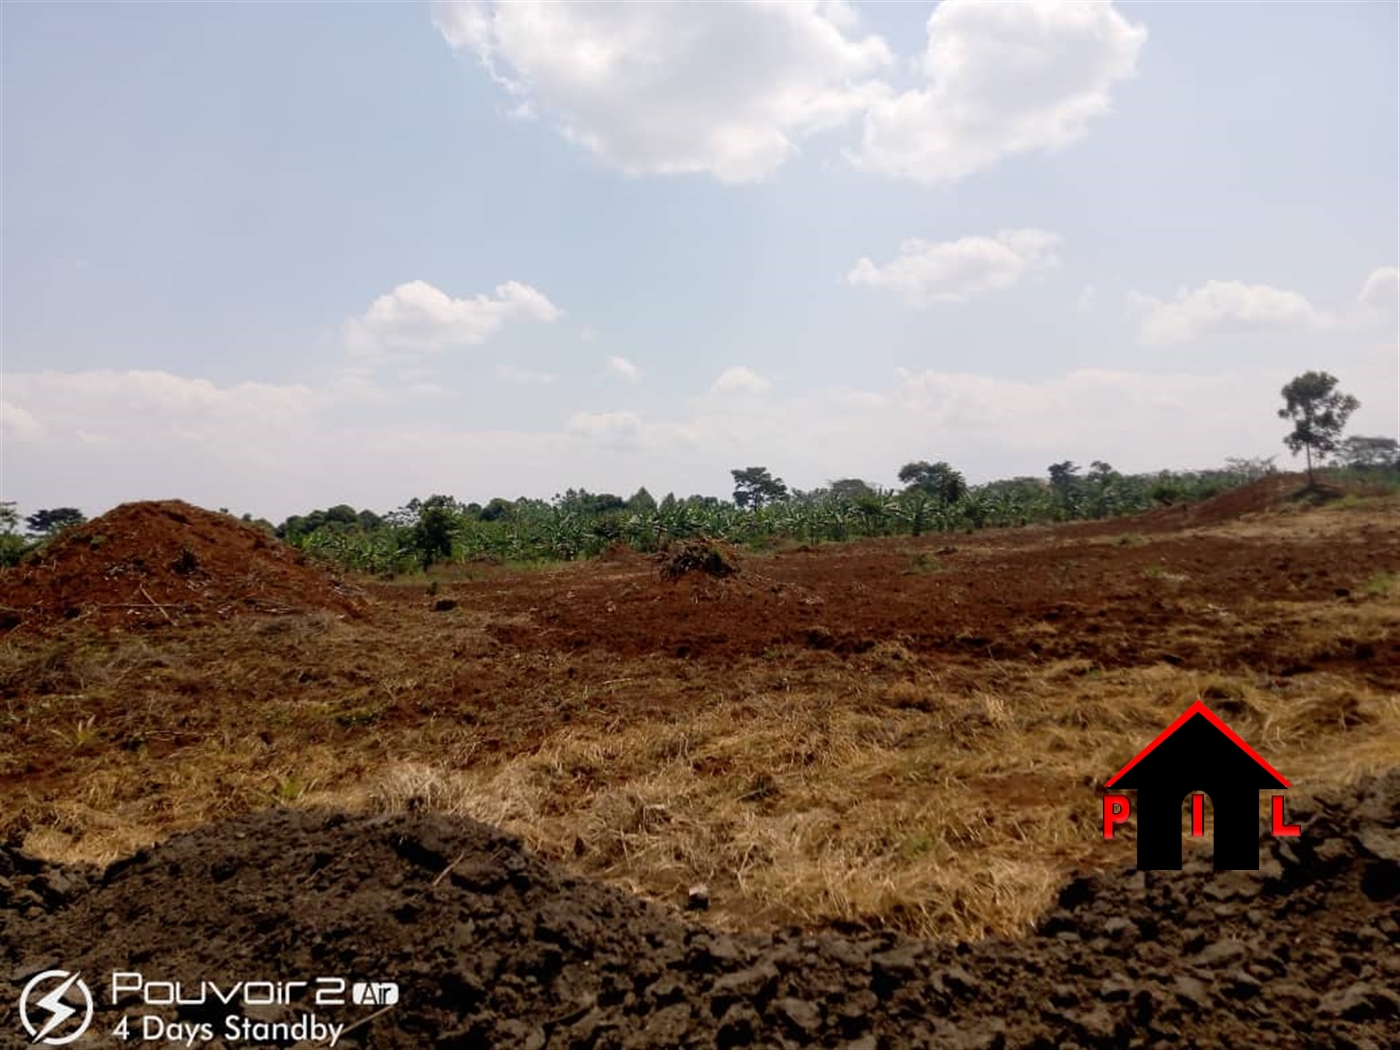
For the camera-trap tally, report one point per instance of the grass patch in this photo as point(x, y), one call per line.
point(924, 564)
point(1382, 585)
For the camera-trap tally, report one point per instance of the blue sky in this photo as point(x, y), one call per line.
point(273, 257)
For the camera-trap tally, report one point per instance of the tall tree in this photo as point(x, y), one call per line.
point(641, 502)
point(851, 488)
point(435, 528)
point(755, 486)
point(1062, 476)
point(1319, 412)
point(938, 480)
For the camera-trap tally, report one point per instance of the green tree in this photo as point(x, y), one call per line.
point(498, 509)
point(434, 530)
point(50, 522)
point(915, 506)
point(342, 514)
point(1319, 412)
point(12, 544)
point(938, 480)
point(1247, 468)
point(1103, 484)
point(852, 489)
point(641, 502)
point(755, 486)
point(1369, 453)
point(1062, 477)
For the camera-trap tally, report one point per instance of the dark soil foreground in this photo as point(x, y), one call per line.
point(493, 948)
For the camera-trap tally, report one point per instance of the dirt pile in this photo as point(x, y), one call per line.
point(1271, 493)
point(166, 562)
point(491, 947)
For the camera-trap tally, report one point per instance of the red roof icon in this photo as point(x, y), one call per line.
point(1198, 708)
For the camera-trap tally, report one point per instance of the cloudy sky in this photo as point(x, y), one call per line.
point(272, 257)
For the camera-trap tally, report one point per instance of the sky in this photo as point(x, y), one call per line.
point(274, 257)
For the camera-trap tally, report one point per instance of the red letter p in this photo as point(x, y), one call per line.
point(1115, 811)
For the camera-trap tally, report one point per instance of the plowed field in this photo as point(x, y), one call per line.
point(868, 753)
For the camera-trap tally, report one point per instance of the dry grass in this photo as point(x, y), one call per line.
point(946, 814)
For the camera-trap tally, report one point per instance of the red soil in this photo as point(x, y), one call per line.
point(152, 563)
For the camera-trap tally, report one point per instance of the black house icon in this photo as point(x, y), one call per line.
point(1198, 752)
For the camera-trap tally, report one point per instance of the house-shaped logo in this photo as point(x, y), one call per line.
point(1197, 755)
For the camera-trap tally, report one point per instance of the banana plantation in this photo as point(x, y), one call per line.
point(579, 524)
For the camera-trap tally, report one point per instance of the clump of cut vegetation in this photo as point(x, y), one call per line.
point(700, 555)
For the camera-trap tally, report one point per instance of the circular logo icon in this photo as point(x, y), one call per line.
point(45, 1016)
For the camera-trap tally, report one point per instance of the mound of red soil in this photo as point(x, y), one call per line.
point(164, 562)
point(491, 947)
point(1267, 493)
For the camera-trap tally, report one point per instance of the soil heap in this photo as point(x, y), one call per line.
point(1272, 492)
point(492, 947)
point(156, 563)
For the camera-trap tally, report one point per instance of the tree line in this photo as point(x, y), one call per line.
point(932, 496)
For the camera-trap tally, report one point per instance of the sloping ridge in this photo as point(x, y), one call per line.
point(163, 562)
point(492, 947)
point(1260, 496)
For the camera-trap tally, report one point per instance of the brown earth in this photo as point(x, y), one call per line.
point(168, 562)
point(1272, 493)
point(1047, 594)
point(495, 948)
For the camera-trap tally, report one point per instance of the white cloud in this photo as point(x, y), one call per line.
point(1381, 290)
point(512, 374)
point(1004, 77)
point(111, 436)
point(417, 318)
point(1101, 399)
point(741, 379)
point(18, 423)
point(606, 427)
point(987, 426)
point(1088, 299)
point(623, 368)
point(1222, 308)
point(927, 272)
point(727, 89)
